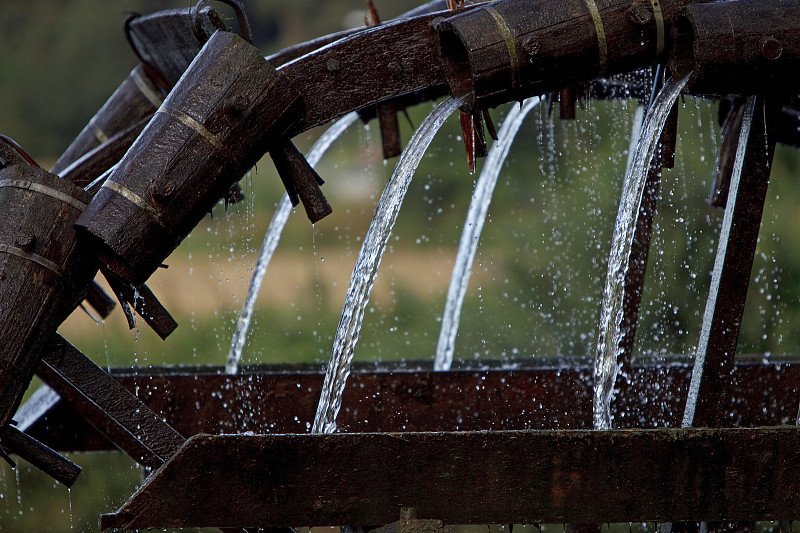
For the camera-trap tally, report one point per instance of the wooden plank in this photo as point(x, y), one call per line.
point(284, 399)
point(108, 406)
point(373, 65)
point(300, 179)
point(99, 300)
point(145, 303)
point(62, 470)
point(472, 478)
point(714, 362)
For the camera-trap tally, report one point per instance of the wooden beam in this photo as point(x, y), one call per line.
point(271, 399)
point(714, 362)
point(108, 406)
point(472, 478)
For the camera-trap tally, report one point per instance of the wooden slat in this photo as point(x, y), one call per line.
point(473, 478)
point(725, 307)
point(283, 400)
point(108, 406)
point(59, 468)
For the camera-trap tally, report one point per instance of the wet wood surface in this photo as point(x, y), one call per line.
point(166, 40)
point(284, 400)
point(135, 99)
point(526, 477)
point(107, 406)
point(515, 49)
point(44, 274)
point(212, 128)
point(376, 64)
point(726, 300)
point(54, 465)
point(743, 47)
point(83, 170)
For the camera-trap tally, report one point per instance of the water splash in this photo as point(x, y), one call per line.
point(607, 352)
point(716, 274)
point(476, 216)
point(367, 264)
point(271, 239)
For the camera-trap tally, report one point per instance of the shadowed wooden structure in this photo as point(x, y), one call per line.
point(204, 105)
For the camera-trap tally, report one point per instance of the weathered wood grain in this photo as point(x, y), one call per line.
point(472, 478)
point(300, 179)
point(135, 99)
point(44, 273)
point(108, 406)
point(62, 470)
point(167, 41)
point(517, 48)
point(214, 126)
point(83, 170)
point(745, 47)
point(380, 63)
point(284, 400)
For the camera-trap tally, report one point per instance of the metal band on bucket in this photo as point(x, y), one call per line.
point(659, 18)
point(145, 88)
point(602, 45)
point(135, 199)
point(99, 134)
point(33, 258)
point(182, 117)
point(505, 31)
point(45, 190)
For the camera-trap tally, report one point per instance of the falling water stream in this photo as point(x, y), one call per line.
point(473, 226)
point(271, 239)
point(606, 366)
point(367, 264)
point(716, 274)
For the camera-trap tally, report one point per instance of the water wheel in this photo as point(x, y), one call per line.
point(204, 106)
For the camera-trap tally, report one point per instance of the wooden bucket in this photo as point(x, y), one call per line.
point(167, 41)
point(228, 109)
point(44, 271)
point(513, 49)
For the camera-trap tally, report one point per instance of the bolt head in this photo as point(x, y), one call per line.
point(162, 190)
point(640, 14)
point(395, 69)
point(237, 104)
point(532, 46)
point(771, 48)
point(25, 240)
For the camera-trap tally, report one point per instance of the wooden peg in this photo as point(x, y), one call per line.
point(300, 180)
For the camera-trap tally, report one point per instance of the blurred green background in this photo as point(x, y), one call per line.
point(536, 286)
